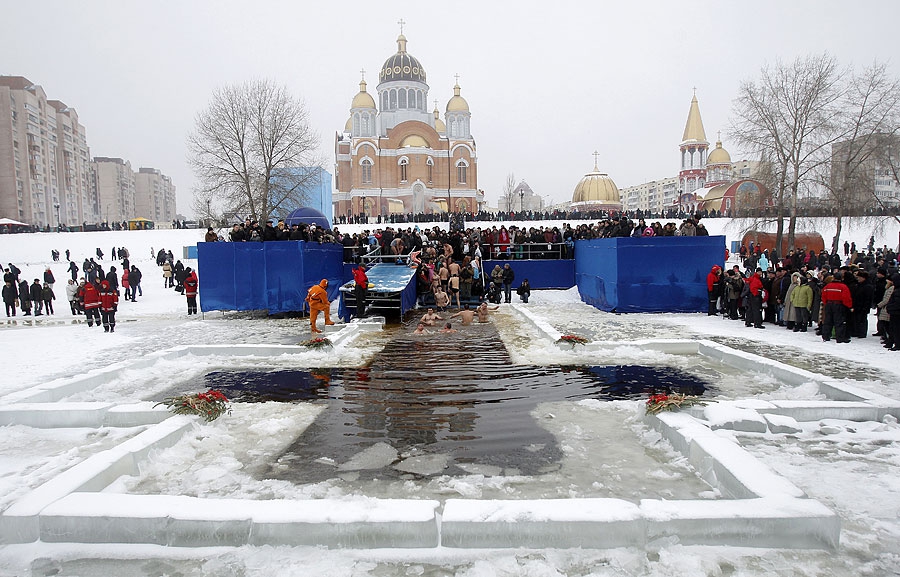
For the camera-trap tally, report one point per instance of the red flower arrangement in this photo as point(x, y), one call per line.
point(572, 340)
point(210, 405)
point(666, 402)
point(316, 343)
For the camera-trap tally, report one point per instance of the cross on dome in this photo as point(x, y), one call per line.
point(596, 154)
point(401, 22)
point(363, 73)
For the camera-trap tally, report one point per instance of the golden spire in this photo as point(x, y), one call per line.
point(693, 128)
point(362, 82)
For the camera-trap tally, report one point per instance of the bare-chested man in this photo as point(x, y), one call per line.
point(448, 328)
point(467, 315)
point(430, 318)
point(421, 330)
point(482, 312)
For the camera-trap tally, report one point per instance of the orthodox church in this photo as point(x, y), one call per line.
point(395, 157)
point(596, 191)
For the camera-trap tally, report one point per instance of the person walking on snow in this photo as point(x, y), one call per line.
point(317, 298)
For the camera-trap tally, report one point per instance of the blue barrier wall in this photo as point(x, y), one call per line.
point(272, 276)
point(647, 274)
point(541, 274)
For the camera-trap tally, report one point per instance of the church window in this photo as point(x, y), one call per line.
point(452, 126)
point(356, 123)
point(402, 98)
point(384, 100)
point(404, 165)
point(430, 164)
point(364, 125)
point(366, 171)
point(393, 99)
point(461, 171)
point(413, 99)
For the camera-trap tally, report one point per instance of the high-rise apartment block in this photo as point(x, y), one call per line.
point(47, 177)
point(44, 158)
point(154, 195)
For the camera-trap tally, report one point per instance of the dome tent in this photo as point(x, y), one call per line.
point(307, 215)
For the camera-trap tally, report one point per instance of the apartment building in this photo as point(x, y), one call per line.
point(44, 158)
point(154, 195)
point(113, 183)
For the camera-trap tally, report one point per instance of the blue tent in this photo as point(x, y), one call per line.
point(307, 215)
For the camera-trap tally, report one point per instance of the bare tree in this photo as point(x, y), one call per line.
point(509, 189)
point(253, 151)
point(868, 121)
point(787, 117)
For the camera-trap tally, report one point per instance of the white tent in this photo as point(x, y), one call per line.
point(11, 222)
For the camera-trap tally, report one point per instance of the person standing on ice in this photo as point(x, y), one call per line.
point(317, 298)
point(73, 269)
point(360, 289)
point(191, 282)
point(71, 291)
point(109, 303)
point(91, 297)
point(134, 279)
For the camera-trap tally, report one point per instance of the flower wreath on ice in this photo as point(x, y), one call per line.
point(210, 405)
point(571, 340)
point(317, 343)
point(666, 402)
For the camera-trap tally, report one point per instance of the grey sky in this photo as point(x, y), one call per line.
point(547, 82)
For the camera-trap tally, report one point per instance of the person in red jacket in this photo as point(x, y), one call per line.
point(317, 298)
point(109, 304)
point(713, 289)
point(359, 291)
point(755, 286)
point(191, 282)
point(91, 303)
point(838, 304)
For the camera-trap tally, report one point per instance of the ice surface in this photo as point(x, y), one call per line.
point(850, 472)
point(377, 456)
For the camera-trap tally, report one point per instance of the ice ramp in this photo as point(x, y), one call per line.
point(392, 291)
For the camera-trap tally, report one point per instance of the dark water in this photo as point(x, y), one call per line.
point(456, 395)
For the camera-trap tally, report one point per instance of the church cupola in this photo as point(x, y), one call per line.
point(694, 148)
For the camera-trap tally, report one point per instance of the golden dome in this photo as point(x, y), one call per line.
point(414, 140)
point(439, 125)
point(457, 103)
point(596, 187)
point(349, 126)
point(363, 99)
point(719, 155)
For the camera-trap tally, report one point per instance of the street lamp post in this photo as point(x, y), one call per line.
point(522, 200)
point(58, 223)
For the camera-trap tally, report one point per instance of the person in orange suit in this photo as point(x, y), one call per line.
point(317, 297)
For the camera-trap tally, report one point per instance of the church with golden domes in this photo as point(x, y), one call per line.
point(395, 157)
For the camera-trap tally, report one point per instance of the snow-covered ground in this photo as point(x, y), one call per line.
point(853, 471)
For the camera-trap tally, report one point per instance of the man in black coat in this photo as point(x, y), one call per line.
point(37, 297)
point(113, 279)
point(863, 297)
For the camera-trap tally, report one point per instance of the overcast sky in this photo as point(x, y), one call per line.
point(548, 83)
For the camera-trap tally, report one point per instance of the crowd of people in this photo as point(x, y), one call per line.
point(93, 291)
point(495, 242)
point(804, 289)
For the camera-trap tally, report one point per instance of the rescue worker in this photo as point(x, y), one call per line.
point(359, 291)
point(109, 303)
point(317, 298)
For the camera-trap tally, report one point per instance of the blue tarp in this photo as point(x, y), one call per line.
point(272, 276)
point(647, 274)
point(541, 274)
